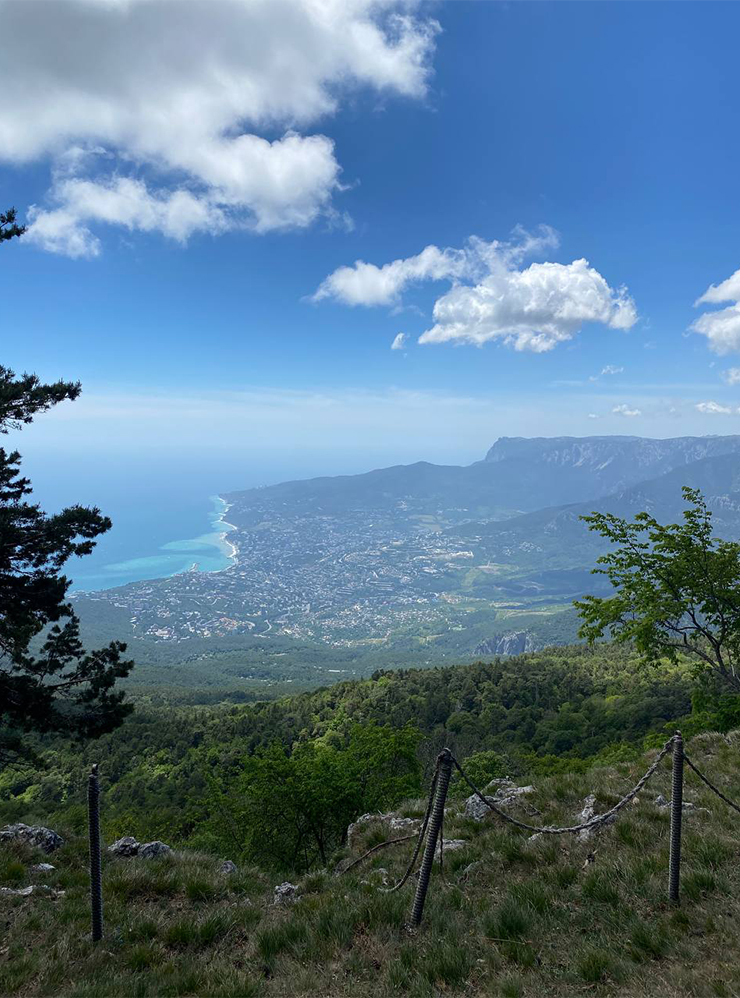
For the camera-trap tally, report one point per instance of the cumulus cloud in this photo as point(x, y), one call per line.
point(198, 107)
point(530, 308)
point(365, 284)
point(713, 409)
point(399, 341)
point(732, 375)
point(721, 327)
point(624, 410)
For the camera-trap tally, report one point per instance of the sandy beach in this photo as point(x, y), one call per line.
point(232, 550)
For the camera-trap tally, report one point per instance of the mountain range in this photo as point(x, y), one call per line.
point(427, 562)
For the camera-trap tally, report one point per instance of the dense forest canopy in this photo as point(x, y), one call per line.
point(168, 772)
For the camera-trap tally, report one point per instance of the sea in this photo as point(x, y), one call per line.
point(165, 520)
point(154, 543)
point(167, 512)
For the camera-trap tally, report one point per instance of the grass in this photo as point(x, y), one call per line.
point(516, 918)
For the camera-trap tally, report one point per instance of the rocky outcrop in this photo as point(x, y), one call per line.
point(286, 893)
point(589, 812)
point(128, 846)
point(32, 835)
point(152, 850)
point(397, 824)
point(513, 643)
point(505, 794)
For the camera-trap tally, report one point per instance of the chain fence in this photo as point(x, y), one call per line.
point(431, 830)
point(432, 826)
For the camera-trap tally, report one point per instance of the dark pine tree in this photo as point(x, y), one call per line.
point(48, 683)
point(9, 226)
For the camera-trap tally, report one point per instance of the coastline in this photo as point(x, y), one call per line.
point(231, 550)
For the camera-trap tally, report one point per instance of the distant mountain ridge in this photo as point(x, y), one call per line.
point(518, 474)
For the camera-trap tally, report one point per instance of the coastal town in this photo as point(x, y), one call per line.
point(307, 574)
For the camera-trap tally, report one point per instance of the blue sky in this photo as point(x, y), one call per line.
point(612, 124)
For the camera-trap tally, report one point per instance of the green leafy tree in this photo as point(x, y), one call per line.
point(292, 809)
point(677, 590)
point(48, 683)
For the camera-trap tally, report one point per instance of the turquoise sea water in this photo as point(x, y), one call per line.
point(144, 543)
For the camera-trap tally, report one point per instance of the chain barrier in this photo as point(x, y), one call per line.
point(420, 838)
point(546, 829)
point(711, 786)
point(598, 819)
point(435, 814)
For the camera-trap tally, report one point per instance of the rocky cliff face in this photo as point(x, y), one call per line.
point(599, 453)
point(608, 464)
point(513, 643)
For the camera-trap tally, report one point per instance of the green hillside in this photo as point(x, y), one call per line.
point(511, 917)
point(169, 769)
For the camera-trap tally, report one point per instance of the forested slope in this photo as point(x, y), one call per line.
point(527, 714)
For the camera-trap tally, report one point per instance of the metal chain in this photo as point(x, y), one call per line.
point(593, 822)
point(420, 839)
point(381, 845)
point(711, 786)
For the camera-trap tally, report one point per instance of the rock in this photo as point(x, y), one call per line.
point(505, 794)
point(405, 825)
point(227, 867)
point(589, 812)
point(285, 893)
point(151, 850)
point(43, 868)
point(450, 845)
point(687, 805)
point(33, 835)
point(127, 846)
point(395, 822)
point(24, 892)
point(511, 643)
point(353, 829)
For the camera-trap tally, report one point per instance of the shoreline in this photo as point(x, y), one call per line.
point(233, 550)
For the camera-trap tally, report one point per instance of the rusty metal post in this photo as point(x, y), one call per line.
point(674, 866)
point(96, 880)
point(435, 822)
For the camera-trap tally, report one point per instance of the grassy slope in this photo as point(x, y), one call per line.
point(550, 917)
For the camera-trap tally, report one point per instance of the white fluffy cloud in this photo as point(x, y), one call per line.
point(732, 375)
point(399, 341)
point(530, 308)
point(624, 410)
point(714, 409)
point(206, 99)
point(721, 327)
point(366, 284)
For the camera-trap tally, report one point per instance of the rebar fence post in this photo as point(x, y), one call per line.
point(435, 822)
point(96, 883)
point(674, 865)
